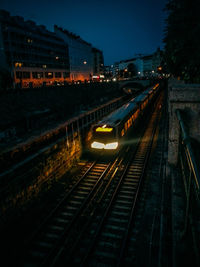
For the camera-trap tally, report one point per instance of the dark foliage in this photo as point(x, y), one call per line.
point(182, 39)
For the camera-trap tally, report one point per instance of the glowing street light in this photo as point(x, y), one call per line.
point(84, 62)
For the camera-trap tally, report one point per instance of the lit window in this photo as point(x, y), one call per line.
point(49, 75)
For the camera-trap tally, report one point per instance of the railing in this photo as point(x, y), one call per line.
point(71, 129)
point(190, 172)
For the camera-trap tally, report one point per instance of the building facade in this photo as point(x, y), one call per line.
point(81, 55)
point(98, 62)
point(142, 66)
point(128, 68)
point(33, 55)
point(147, 65)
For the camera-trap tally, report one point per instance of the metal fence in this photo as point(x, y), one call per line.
point(190, 172)
point(71, 129)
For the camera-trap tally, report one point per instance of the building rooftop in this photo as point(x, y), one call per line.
point(29, 25)
point(71, 35)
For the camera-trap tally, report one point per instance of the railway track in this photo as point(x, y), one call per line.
point(92, 223)
point(44, 242)
point(104, 241)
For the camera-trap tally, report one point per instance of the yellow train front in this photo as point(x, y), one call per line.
point(104, 137)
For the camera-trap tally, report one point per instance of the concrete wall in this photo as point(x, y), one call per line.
point(22, 185)
point(44, 159)
point(143, 83)
point(185, 97)
point(24, 113)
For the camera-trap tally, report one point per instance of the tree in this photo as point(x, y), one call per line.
point(182, 42)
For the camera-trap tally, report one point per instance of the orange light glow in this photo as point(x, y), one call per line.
point(18, 64)
point(156, 86)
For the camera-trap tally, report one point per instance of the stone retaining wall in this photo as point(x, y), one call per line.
point(29, 111)
point(185, 97)
point(23, 185)
point(43, 162)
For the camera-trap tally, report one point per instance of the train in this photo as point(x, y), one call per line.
point(109, 133)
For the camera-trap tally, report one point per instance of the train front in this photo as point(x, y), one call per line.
point(104, 137)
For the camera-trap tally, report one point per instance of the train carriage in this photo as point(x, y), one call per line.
point(108, 134)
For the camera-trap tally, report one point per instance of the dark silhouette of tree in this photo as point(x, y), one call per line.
point(182, 42)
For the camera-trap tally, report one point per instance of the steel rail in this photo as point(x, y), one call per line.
point(105, 216)
point(189, 151)
point(98, 202)
point(53, 251)
point(58, 205)
point(76, 241)
point(125, 240)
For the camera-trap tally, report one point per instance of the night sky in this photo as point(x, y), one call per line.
point(119, 28)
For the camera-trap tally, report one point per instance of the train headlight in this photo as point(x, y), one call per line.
point(111, 145)
point(97, 145)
